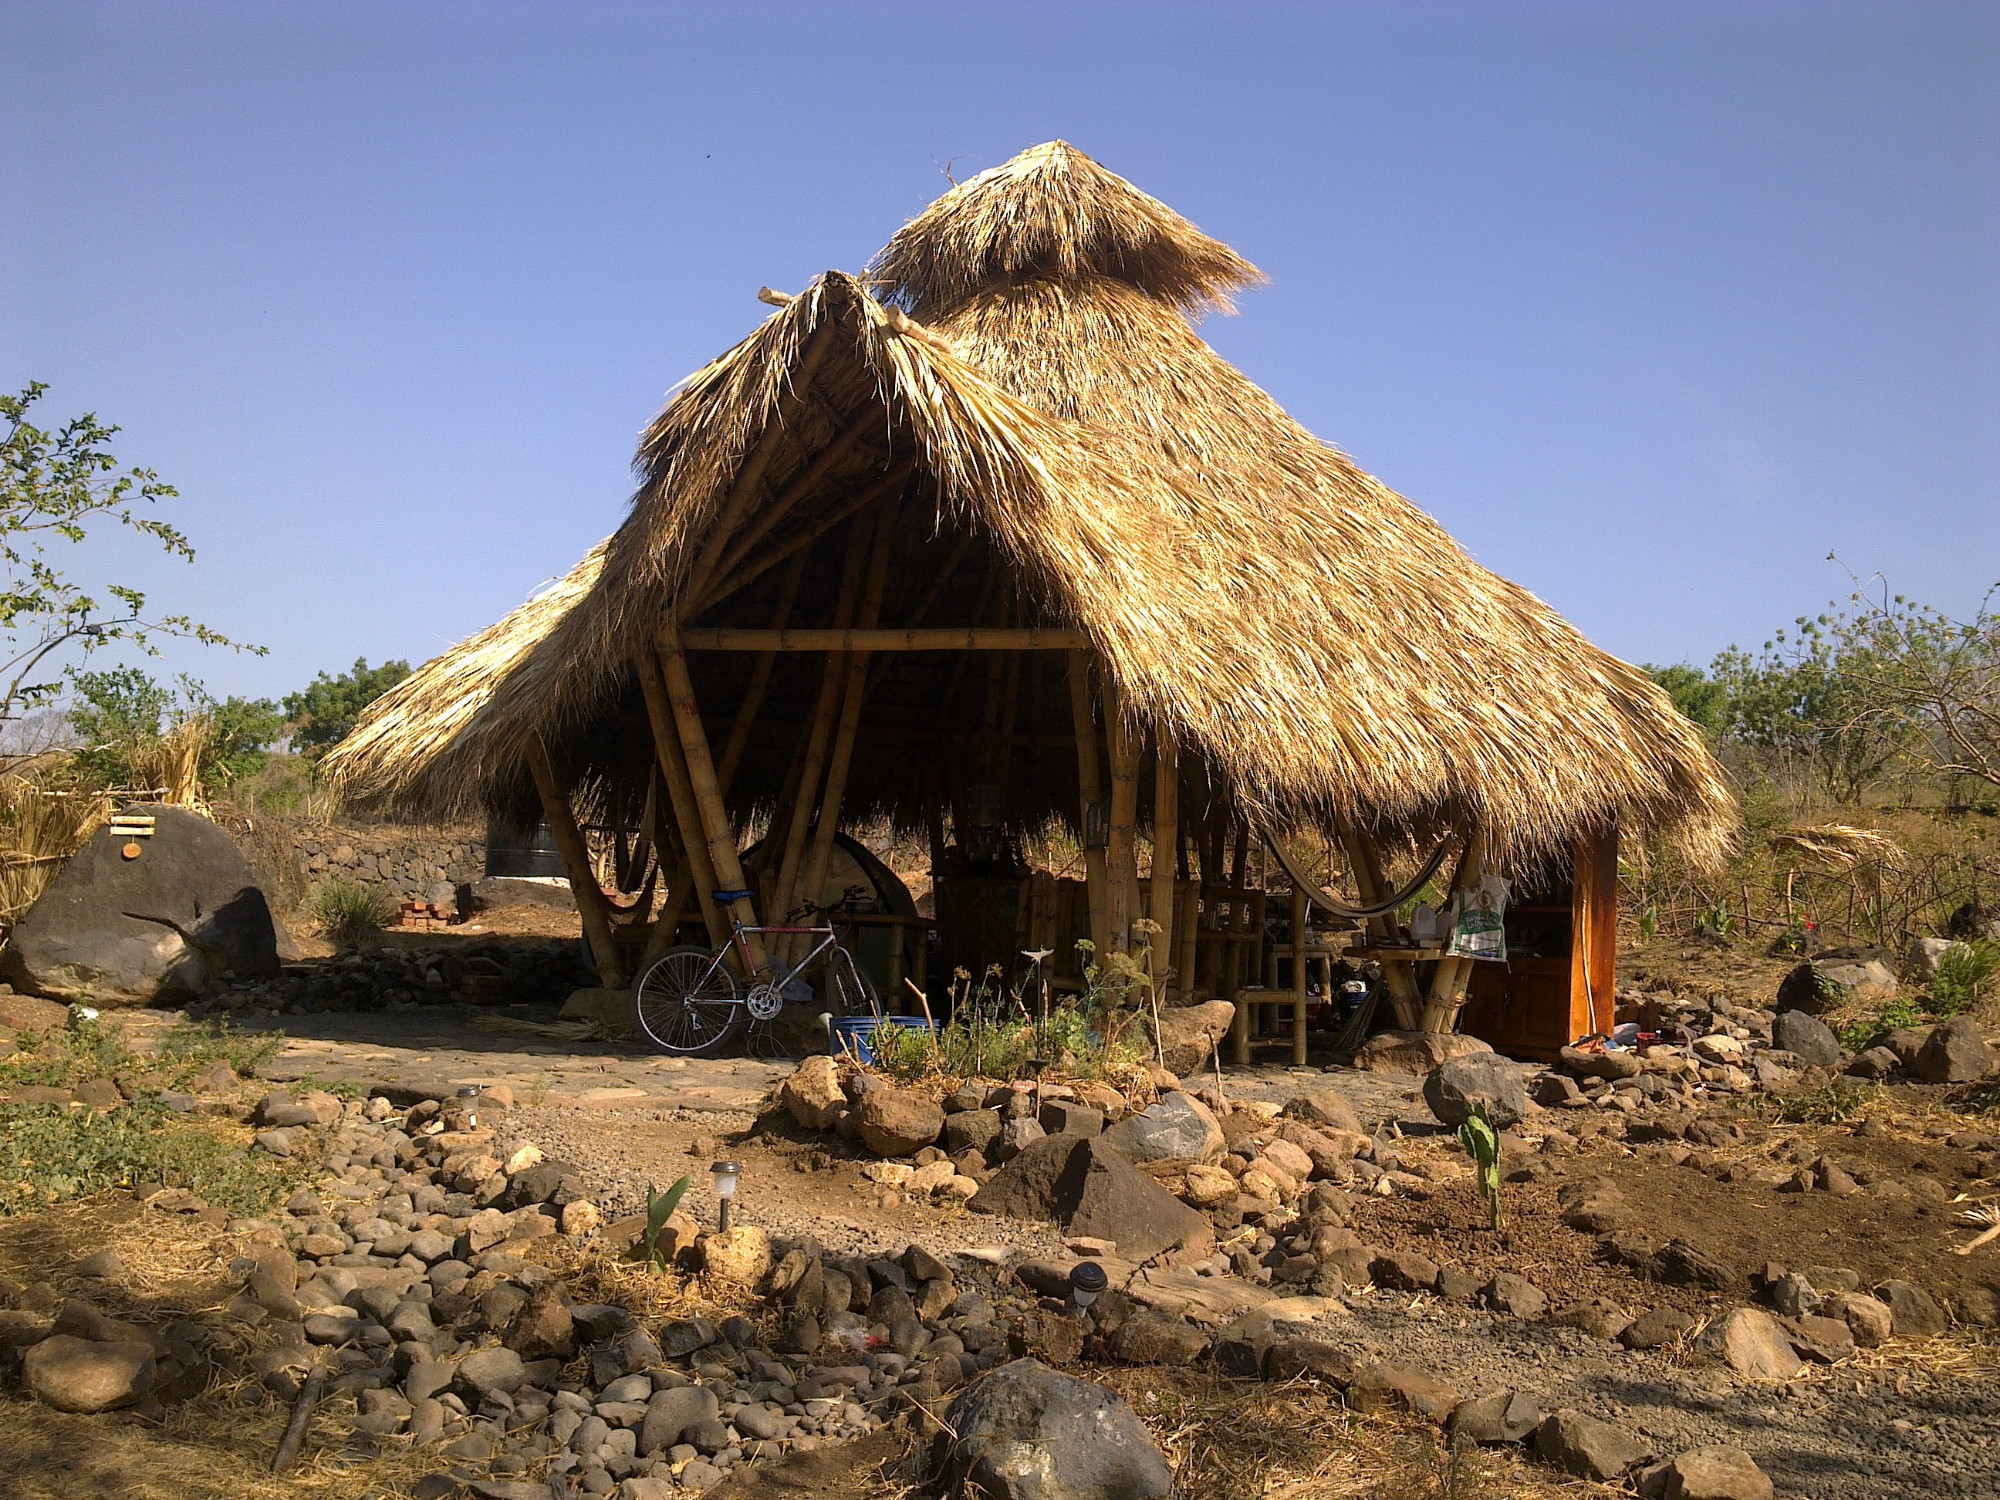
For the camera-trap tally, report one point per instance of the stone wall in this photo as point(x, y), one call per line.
point(414, 864)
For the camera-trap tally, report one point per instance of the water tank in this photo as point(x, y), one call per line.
point(511, 853)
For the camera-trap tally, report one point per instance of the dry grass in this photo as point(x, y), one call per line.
point(1324, 644)
point(42, 823)
point(168, 766)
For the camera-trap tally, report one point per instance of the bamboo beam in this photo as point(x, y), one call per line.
point(713, 813)
point(1299, 976)
point(751, 475)
point(680, 792)
point(934, 638)
point(590, 902)
point(1090, 791)
point(850, 710)
point(757, 566)
point(783, 505)
point(1166, 838)
point(813, 752)
point(942, 580)
point(760, 679)
point(1121, 858)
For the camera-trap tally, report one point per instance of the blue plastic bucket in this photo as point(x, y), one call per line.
point(852, 1034)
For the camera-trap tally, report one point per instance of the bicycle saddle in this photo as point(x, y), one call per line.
point(730, 898)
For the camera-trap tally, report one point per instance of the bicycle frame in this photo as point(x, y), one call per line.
point(739, 943)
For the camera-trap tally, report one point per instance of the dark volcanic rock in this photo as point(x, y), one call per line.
point(1089, 1189)
point(1026, 1432)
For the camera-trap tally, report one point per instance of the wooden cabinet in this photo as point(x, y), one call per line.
point(1561, 968)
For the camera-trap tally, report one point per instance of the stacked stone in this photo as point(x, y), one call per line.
point(530, 970)
point(413, 864)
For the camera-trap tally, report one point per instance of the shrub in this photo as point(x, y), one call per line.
point(52, 1153)
point(1963, 973)
point(348, 911)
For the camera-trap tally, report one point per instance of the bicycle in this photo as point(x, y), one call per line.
point(690, 1003)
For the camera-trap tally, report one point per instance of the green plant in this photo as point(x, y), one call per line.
point(347, 910)
point(326, 711)
point(1834, 1104)
point(1964, 970)
point(1482, 1144)
point(186, 1049)
point(660, 1208)
point(1715, 920)
point(1895, 1014)
point(51, 1153)
point(1649, 923)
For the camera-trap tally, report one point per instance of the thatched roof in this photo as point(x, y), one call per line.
point(1024, 351)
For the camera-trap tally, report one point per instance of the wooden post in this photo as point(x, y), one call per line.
point(675, 889)
point(1453, 974)
point(1166, 838)
point(1397, 974)
point(590, 902)
point(680, 792)
point(1298, 976)
point(1186, 924)
point(760, 679)
point(1090, 792)
point(1121, 858)
point(714, 816)
point(850, 711)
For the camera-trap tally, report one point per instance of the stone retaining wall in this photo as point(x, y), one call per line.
point(415, 864)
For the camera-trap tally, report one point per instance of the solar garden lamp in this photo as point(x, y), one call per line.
point(725, 1174)
point(1086, 1284)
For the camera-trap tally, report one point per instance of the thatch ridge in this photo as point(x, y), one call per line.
point(1315, 636)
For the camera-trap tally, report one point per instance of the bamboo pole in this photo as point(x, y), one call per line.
point(708, 802)
point(1090, 791)
point(760, 680)
point(946, 571)
point(1121, 858)
point(932, 638)
point(680, 792)
point(751, 475)
point(813, 762)
point(1298, 976)
point(850, 711)
point(1187, 928)
point(761, 563)
point(674, 892)
point(1398, 974)
point(746, 542)
point(1453, 974)
point(1166, 838)
point(590, 902)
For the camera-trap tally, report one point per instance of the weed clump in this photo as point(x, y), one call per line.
point(348, 911)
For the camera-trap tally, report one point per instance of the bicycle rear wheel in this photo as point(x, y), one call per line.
point(851, 990)
point(686, 1004)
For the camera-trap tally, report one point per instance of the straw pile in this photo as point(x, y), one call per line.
point(1056, 430)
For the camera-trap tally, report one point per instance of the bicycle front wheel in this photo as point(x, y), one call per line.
point(686, 1004)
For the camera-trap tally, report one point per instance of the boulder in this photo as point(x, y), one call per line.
point(898, 1122)
point(495, 1369)
point(1390, 1386)
point(813, 1094)
point(1752, 1344)
point(1913, 1312)
point(1874, 1064)
point(741, 1256)
point(1588, 1448)
point(1503, 1417)
point(1922, 961)
point(1954, 1052)
point(1089, 1189)
point(1188, 1034)
point(1714, 1472)
point(1026, 1432)
point(1326, 1108)
point(1414, 1054)
point(971, 1130)
point(1834, 983)
point(1868, 1320)
point(181, 915)
point(672, 1412)
point(1612, 1064)
point(1807, 1037)
point(1515, 1296)
point(1175, 1127)
point(1152, 1338)
point(611, 1010)
point(87, 1375)
point(1455, 1086)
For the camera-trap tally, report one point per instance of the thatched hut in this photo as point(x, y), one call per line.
point(989, 536)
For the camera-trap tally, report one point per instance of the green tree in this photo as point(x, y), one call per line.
point(114, 712)
point(56, 485)
point(1695, 694)
point(325, 712)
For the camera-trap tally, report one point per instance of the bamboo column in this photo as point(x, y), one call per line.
point(1453, 974)
point(590, 902)
point(850, 711)
point(760, 680)
point(1166, 839)
point(1090, 791)
point(680, 792)
point(1121, 858)
point(713, 816)
point(1298, 976)
point(1397, 974)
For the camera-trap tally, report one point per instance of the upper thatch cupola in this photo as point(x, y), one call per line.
point(1052, 212)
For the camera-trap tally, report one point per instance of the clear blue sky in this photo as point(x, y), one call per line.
point(1652, 305)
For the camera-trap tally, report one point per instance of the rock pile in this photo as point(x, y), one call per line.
point(512, 971)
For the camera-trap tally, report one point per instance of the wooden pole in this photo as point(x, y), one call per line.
point(680, 792)
point(1453, 974)
point(1397, 974)
point(746, 542)
point(590, 902)
point(675, 889)
point(1122, 855)
point(1090, 791)
point(946, 571)
point(760, 680)
point(701, 772)
point(787, 547)
point(1166, 837)
point(1298, 976)
point(850, 710)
